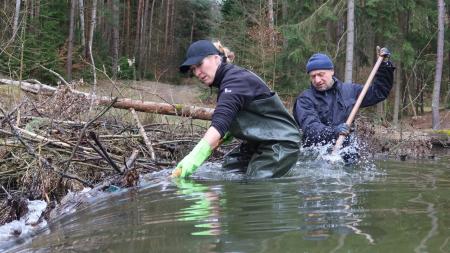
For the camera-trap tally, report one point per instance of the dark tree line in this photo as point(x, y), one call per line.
point(147, 39)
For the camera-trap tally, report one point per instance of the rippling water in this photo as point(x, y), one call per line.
point(389, 206)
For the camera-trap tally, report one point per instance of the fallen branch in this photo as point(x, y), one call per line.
point(42, 138)
point(195, 112)
point(102, 152)
point(130, 162)
point(147, 141)
point(56, 74)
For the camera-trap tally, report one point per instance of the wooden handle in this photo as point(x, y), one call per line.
point(355, 109)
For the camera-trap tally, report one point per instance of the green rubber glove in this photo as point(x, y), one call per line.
point(193, 160)
point(226, 139)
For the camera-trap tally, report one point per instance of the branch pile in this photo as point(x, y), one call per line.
point(57, 143)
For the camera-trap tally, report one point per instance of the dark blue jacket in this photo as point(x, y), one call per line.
point(318, 112)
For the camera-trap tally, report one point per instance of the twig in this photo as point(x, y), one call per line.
point(174, 141)
point(65, 122)
point(56, 74)
point(83, 131)
point(101, 151)
point(35, 137)
point(119, 136)
point(42, 138)
point(8, 116)
point(147, 141)
point(130, 162)
point(7, 193)
point(416, 61)
point(106, 75)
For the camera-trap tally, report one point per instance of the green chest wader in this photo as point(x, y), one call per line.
point(271, 139)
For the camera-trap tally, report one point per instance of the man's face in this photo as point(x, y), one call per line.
point(206, 70)
point(321, 79)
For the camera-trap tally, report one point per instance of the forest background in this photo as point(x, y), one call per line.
point(147, 40)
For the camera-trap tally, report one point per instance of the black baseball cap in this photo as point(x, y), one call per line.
point(196, 52)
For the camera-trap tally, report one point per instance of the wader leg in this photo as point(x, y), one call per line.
point(273, 160)
point(239, 157)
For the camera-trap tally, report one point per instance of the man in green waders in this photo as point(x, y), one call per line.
point(247, 110)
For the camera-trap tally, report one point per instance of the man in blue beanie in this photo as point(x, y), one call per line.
point(322, 109)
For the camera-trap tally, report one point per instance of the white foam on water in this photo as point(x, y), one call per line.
point(317, 163)
point(26, 225)
point(214, 171)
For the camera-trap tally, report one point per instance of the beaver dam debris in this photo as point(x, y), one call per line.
point(57, 142)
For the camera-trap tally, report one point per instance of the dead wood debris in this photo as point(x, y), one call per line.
point(48, 149)
point(393, 142)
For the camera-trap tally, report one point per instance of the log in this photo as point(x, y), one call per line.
point(195, 112)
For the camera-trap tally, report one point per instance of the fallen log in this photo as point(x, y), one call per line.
point(195, 112)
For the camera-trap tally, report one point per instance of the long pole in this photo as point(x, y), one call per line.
point(355, 109)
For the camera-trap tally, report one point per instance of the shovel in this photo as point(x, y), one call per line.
point(351, 117)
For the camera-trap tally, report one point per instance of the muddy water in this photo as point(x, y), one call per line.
point(388, 206)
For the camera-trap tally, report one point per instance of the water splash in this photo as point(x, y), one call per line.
point(26, 226)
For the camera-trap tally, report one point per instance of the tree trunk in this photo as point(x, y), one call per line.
point(158, 31)
point(37, 10)
point(32, 3)
point(150, 31)
point(82, 30)
point(15, 27)
point(397, 95)
point(417, 98)
point(137, 45)
point(271, 23)
point(115, 37)
point(410, 96)
point(350, 41)
point(142, 43)
point(70, 43)
point(192, 27)
point(172, 29)
point(285, 18)
point(102, 24)
point(439, 62)
point(166, 30)
point(421, 102)
point(126, 28)
point(91, 39)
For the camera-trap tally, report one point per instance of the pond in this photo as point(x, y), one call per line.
point(384, 206)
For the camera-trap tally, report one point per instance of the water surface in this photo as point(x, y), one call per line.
point(386, 206)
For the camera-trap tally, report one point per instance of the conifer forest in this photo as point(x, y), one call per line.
point(147, 40)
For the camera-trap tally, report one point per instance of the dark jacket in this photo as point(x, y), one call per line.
point(251, 112)
point(318, 112)
point(238, 87)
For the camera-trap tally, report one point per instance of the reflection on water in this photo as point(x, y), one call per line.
point(320, 207)
point(205, 209)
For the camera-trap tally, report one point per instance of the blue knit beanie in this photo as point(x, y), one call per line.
point(319, 61)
